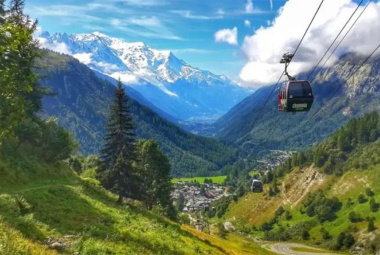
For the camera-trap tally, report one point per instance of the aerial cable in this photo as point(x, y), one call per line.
point(344, 37)
point(336, 38)
point(339, 87)
point(259, 115)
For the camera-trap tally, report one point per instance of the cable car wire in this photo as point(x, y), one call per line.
point(259, 115)
point(336, 38)
point(339, 87)
point(344, 37)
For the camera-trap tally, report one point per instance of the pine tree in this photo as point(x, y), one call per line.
point(154, 169)
point(118, 153)
point(20, 95)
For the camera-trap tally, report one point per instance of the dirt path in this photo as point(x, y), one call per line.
point(287, 249)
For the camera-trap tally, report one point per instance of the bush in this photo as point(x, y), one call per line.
point(362, 199)
point(373, 205)
point(354, 217)
point(371, 225)
point(369, 192)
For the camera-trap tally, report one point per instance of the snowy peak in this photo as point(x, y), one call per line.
point(168, 82)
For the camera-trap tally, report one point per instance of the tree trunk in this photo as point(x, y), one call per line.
point(120, 199)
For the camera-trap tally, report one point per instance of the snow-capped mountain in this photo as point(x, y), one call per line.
point(167, 82)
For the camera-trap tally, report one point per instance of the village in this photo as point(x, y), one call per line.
point(194, 197)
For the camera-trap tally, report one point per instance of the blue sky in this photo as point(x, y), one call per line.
point(187, 27)
point(243, 39)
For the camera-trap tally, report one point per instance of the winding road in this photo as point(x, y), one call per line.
point(287, 249)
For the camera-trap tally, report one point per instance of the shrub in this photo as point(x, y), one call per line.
point(354, 217)
point(369, 192)
point(373, 205)
point(362, 199)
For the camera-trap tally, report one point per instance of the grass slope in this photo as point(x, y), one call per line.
point(255, 209)
point(40, 201)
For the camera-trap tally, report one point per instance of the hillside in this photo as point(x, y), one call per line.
point(81, 104)
point(41, 202)
point(169, 83)
point(328, 196)
point(342, 101)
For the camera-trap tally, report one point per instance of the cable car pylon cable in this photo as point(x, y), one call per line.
point(344, 37)
point(336, 38)
point(258, 116)
point(339, 87)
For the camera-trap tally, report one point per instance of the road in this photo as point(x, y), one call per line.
point(287, 249)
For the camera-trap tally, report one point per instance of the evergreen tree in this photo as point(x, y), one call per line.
point(154, 169)
point(20, 95)
point(118, 153)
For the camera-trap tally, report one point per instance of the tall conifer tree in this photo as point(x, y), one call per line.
point(118, 152)
point(20, 95)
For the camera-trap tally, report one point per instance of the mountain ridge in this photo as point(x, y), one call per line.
point(183, 91)
point(81, 106)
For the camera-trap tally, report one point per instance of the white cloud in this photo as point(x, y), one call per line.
point(56, 47)
point(190, 15)
point(264, 49)
point(227, 35)
point(249, 6)
point(271, 4)
point(84, 58)
point(247, 23)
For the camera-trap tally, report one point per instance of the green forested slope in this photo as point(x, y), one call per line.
point(81, 104)
point(343, 99)
point(328, 196)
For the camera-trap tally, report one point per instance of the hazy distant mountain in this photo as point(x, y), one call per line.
point(185, 92)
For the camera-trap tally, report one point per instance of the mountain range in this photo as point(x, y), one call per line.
point(184, 92)
point(81, 106)
point(337, 100)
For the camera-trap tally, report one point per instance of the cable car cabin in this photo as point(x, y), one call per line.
point(295, 96)
point(257, 186)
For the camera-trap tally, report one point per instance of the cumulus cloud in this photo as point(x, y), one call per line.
point(227, 35)
point(247, 23)
point(264, 49)
point(249, 6)
point(56, 47)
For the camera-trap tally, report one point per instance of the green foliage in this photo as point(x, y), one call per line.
point(154, 177)
point(371, 225)
point(118, 153)
point(373, 205)
point(369, 192)
point(344, 240)
point(355, 217)
point(20, 96)
point(82, 109)
point(331, 155)
point(222, 230)
point(362, 199)
point(323, 208)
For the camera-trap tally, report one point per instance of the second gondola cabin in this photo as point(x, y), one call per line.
point(295, 96)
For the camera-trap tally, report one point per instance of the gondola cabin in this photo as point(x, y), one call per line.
point(295, 96)
point(257, 186)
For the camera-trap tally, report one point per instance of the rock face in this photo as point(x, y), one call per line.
point(183, 91)
point(228, 226)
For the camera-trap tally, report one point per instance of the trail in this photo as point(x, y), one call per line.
point(287, 249)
